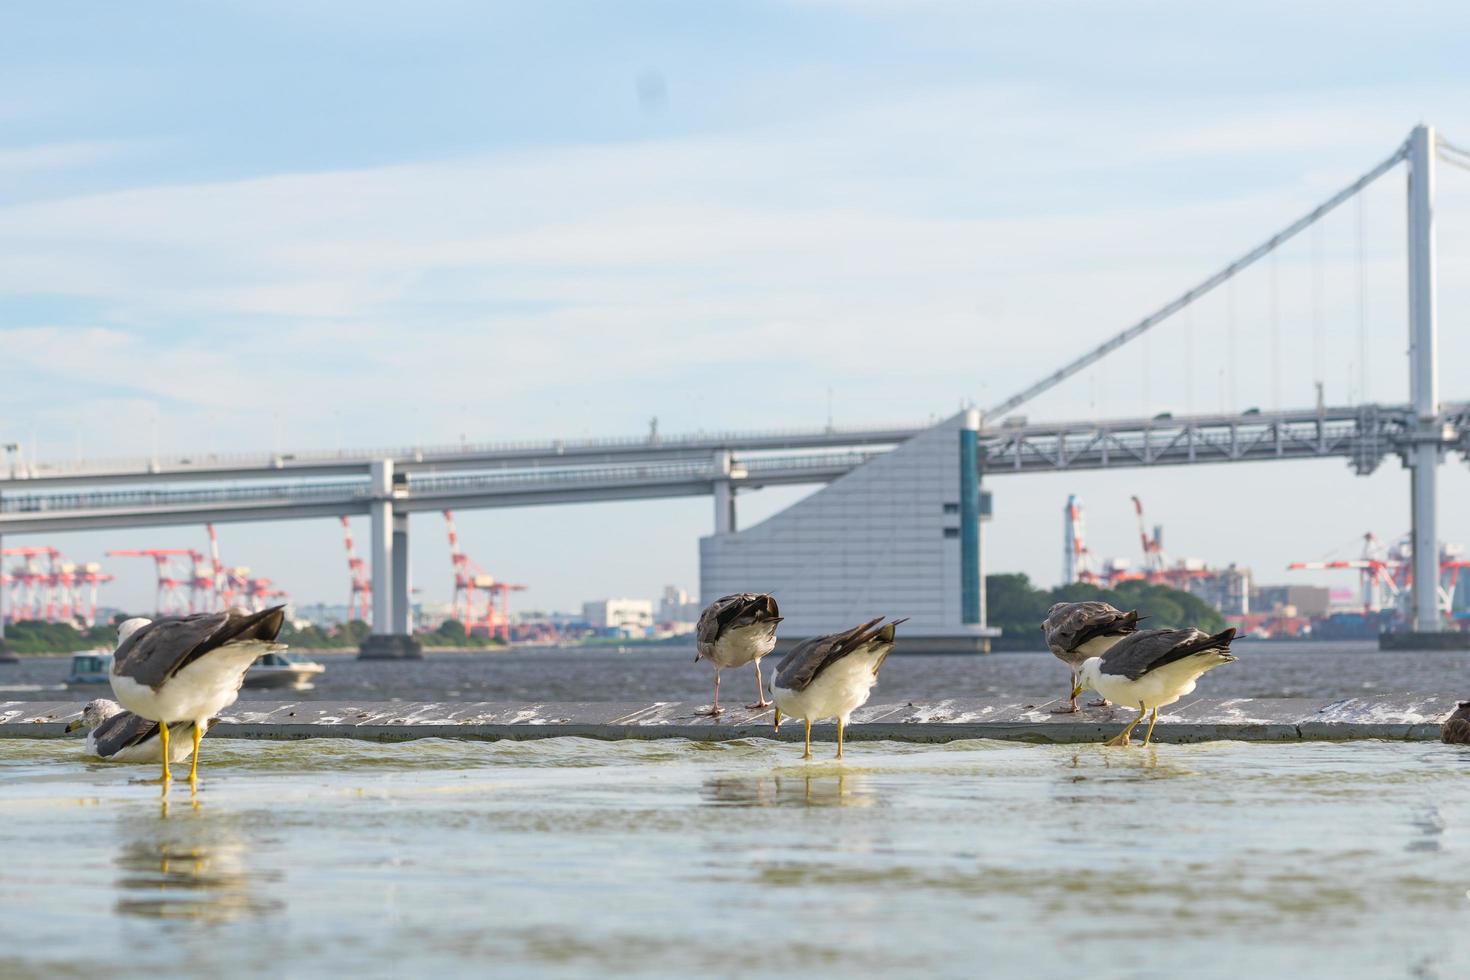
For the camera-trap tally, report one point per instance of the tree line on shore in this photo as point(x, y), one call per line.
point(1018, 607)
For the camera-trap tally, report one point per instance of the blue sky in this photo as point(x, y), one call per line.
point(257, 224)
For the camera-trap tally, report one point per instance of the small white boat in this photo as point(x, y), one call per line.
point(283, 670)
point(89, 667)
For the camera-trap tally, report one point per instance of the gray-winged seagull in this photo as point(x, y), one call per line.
point(1076, 631)
point(1152, 669)
point(736, 630)
point(189, 669)
point(831, 676)
point(118, 735)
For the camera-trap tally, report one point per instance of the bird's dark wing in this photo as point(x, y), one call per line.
point(741, 609)
point(1068, 625)
point(1456, 730)
point(1146, 650)
point(809, 658)
point(159, 650)
point(121, 731)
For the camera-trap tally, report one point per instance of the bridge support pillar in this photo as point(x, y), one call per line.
point(724, 494)
point(1423, 381)
point(391, 638)
point(402, 601)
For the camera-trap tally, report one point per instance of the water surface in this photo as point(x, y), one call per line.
point(569, 856)
point(1316, 670)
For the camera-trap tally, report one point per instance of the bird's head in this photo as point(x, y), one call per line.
point(94, 714)
point(130, 626)
point(1087, 676)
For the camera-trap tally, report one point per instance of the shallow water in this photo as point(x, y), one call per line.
point(569, 856)
point(1320, 670)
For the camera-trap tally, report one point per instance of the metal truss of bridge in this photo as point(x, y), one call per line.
point(558, 473)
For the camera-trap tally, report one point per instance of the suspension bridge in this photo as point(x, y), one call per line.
point(388, 484)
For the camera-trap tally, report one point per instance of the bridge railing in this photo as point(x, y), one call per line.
point(823, 464)
point(144, 499)
point(450, 451)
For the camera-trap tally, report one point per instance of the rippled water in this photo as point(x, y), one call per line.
point(568, 856)
point(1323, 670)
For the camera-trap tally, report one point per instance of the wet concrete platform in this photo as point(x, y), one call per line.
point(1392, 716)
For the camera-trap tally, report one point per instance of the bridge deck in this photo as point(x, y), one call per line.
point(1402, 716)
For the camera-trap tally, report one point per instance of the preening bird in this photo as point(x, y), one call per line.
point(736, 630)
point(118, 735)
point(1076, 631)
point(1153, 668)
point(189, 669)
point(831, 676)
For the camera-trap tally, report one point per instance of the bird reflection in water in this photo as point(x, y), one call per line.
point(807, 789)
point(189, 864)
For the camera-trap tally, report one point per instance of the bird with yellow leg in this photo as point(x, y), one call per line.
point(831, 676)
point(1151, 669)
point(189, 669)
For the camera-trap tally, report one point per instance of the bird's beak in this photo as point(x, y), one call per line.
point(1077, 691)
point(778, 719)
point(73, 725)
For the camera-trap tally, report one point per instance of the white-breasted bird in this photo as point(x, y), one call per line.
point(831, 676)
point(117, 735)
point(1076, 631)
point(189, 669)
point(733, 631)
point(1151, 669)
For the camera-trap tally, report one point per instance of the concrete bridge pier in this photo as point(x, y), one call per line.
point(392, 635)
point(724, 494)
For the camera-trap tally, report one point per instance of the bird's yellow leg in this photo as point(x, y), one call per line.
point(808, 753)
point(1152, 721)
point(194, 760)
point(163, 740)
point(1126, 735)
point(840, 727)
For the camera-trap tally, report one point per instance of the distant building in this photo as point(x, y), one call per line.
point(1303, 600)
point(322, 614)
point(628, 617)
point(1227, 590)
point(897, 536)
point(677, 606)
point(429, 616)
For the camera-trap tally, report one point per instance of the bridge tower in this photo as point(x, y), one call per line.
point(1426, 449)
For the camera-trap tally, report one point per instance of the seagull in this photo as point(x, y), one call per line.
point(1152, 669)
point(1076, 631)
point(732, 632)
point(1456, 730)
point(830, 676)
point(189, 669)
point(118, 735)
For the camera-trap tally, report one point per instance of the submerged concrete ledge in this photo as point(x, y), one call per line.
point(1390, 716)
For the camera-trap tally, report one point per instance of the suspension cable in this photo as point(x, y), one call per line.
point(1224, 275)
point(1362, 309)
point(1275, 331)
